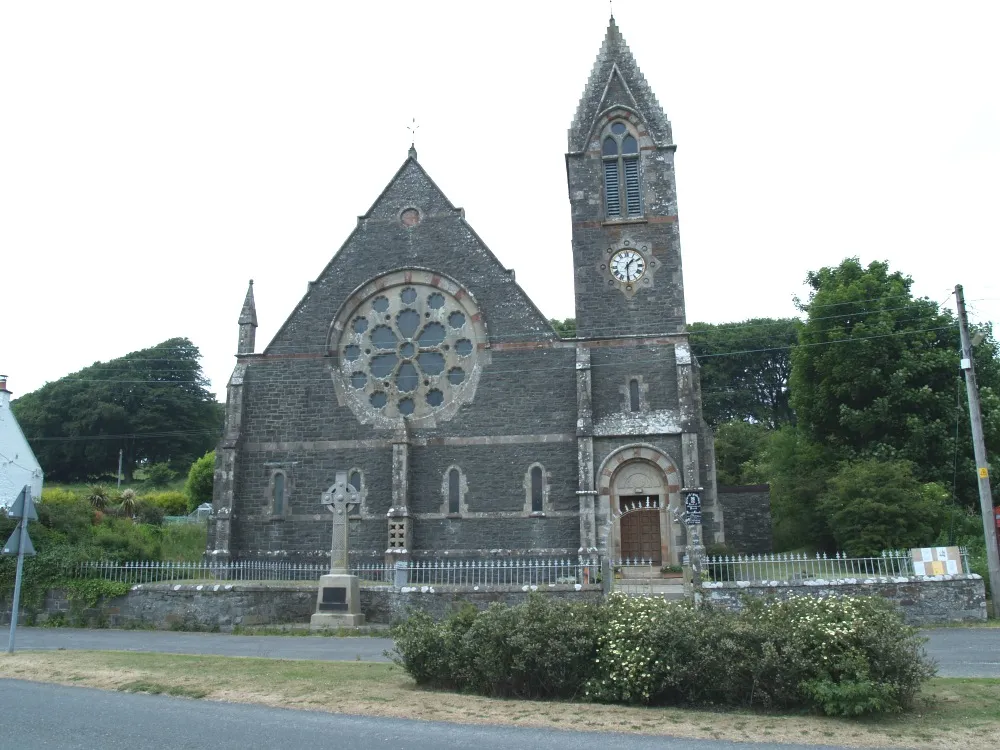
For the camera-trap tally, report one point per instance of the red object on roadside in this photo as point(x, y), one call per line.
point(996, 516)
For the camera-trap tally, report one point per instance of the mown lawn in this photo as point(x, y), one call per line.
point(952, 712)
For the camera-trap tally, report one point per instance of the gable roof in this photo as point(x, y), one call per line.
point(616, 80)
point(411, 187)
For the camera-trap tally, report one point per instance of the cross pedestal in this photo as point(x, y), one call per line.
point(338, 603)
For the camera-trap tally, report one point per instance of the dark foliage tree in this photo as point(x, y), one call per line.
point(739, 450)
point(152, 404)
point(873, 505)
point(876, 375)
point(745, 369)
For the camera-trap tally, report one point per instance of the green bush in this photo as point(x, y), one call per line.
point(200, 480)
point(53, 495)
point(839, 656)
point(171, 502)
point(159, 475)
point(147, 512)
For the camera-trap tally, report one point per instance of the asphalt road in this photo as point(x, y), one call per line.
point(36, 716)
point(965, 652)
point(326, 648)
point(959, 652)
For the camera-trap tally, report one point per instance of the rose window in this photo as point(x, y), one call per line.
point(408, 348)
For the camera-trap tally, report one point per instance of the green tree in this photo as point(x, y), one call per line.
point(873, 505)
point(797, 470)
point(565, 328)
point(152, 405)
point(745, 369)
point(739, 450)
point(200, 479)
point(876, 375)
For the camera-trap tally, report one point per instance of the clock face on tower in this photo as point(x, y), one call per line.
point(627, 265)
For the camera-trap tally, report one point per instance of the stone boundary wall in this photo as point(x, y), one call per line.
point(222, 607)
point(923, 601)
point(225, 606)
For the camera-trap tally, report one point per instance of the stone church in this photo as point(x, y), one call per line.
point(417, 368)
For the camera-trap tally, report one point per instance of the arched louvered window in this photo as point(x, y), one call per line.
point(620, 152)
point(633, 395)
point(454, 491)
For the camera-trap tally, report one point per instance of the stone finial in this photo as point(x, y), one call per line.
point(412, 152)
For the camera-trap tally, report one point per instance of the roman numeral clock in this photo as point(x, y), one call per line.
point(629, 266)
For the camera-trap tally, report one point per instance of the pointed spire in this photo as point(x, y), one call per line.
point(249, 312)
point(412, 152)
point(248, 324)
point(615, 60)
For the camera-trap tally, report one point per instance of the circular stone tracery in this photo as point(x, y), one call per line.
point(410, 347)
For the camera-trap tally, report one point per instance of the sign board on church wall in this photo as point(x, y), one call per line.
point(936, 561)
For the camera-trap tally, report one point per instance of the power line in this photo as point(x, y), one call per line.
point(535, 353)
point(113, 364)
point(520, 371)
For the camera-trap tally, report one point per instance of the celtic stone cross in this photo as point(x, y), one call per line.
point(337, 500)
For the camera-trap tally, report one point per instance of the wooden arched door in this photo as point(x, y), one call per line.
point(639, 494)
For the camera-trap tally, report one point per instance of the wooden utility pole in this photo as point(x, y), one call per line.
point(979, 447)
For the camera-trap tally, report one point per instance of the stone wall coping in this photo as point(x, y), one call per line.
point(731, 585)
point(228, 588)
point(487, 589)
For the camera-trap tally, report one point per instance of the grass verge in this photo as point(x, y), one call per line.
point(952, 713)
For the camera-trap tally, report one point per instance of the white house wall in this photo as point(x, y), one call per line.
point(18, 466)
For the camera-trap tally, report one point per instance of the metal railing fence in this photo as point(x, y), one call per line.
point(792, 566)
point(502, 572)
point(435, 572)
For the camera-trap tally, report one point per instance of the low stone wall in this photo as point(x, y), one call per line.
point(923, 601)
point(180, 607)
point(225, 606)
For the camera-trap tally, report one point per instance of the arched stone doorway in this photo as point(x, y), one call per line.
point(639, 488)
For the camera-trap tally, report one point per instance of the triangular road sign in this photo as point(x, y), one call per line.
point(13, 545)
point(17, 509)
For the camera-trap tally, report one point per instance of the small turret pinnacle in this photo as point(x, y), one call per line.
point(249, 312)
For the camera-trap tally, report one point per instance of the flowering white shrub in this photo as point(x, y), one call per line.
point(840, 655)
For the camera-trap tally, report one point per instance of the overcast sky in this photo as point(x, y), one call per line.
point(156, 156)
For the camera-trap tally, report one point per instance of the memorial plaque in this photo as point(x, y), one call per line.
point(334, 599)
point(692, 506)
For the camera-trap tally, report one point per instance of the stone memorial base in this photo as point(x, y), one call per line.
point(338, 603)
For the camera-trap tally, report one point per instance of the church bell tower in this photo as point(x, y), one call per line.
point(620, 167)
point(646, 456)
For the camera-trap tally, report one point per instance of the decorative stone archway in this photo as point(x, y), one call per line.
point(640, 472)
